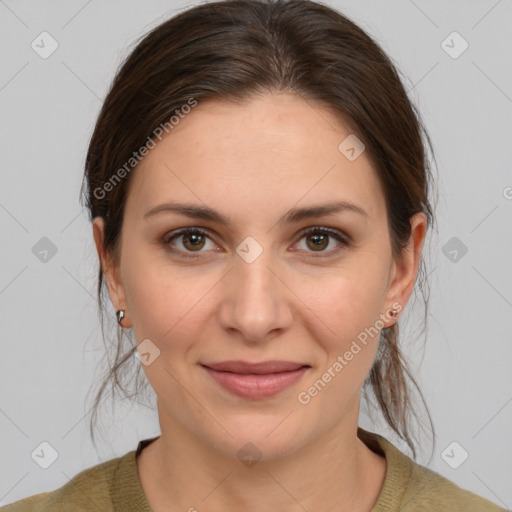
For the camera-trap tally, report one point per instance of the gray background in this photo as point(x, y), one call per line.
point(50, 337)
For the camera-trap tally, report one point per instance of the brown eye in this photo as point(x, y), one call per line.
point(193, 240)
point(318, 239)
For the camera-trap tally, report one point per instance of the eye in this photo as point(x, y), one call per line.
point(193, 240)
point(318, 238)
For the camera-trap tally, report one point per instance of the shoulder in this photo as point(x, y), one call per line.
point(428, 490)
point(88, 490)
point(411, 487)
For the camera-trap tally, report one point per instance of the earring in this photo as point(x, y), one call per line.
point(393, 312)
point(120, 315)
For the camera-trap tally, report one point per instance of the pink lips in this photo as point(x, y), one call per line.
point(256, 380)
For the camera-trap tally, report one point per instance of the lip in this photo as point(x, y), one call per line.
point(256, 380)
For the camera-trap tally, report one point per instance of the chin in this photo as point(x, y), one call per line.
point(260, 436)
point(249, 450)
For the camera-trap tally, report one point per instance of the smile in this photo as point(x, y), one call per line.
point(256, 381)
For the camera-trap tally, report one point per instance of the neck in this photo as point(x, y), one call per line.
point(335, 472)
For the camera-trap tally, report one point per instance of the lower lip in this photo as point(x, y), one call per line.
point(256, 386)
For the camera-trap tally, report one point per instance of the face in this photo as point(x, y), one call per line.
point(266, 285)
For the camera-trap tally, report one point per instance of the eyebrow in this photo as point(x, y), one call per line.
point(292, 216)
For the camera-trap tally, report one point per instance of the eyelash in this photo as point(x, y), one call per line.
point(310, 231)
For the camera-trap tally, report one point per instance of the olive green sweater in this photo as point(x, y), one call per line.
point(114, 486)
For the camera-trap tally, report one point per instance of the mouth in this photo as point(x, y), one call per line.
point(256, 380)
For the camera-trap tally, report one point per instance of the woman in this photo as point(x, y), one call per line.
point(259, 191)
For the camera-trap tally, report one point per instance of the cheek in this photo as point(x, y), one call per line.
point(346, 322)
point(347, 299)
point(166, 302)
point(166, 309)
point(161, 308)
point(350, 307)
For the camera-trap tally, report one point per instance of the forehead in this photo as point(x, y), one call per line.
point(261, 157)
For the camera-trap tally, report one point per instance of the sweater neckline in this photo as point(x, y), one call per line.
point(128, 495)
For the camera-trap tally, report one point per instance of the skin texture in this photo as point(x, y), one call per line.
point(294, 302)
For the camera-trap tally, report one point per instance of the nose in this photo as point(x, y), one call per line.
point(256, 303)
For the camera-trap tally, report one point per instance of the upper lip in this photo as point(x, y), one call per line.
point(257, 368)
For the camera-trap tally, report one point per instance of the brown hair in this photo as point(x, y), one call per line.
point(232, 50)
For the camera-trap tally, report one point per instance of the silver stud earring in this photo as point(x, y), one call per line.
point(120, 315)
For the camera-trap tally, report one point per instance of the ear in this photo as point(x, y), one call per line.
point(405, 270)
point(110, 270)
